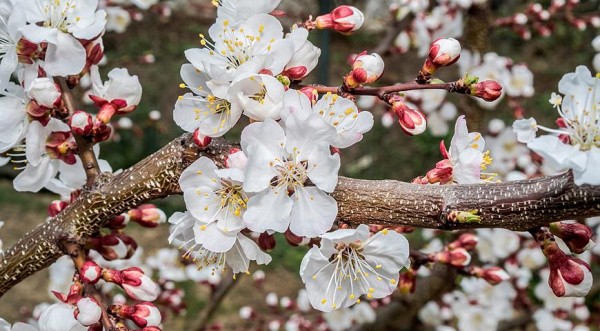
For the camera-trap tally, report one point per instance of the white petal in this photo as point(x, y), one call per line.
point(268, 210)
point(213, 239)
point(313, 213)
point(200, 173)
point(66, 57)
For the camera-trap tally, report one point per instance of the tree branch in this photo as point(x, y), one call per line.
point(516, 206)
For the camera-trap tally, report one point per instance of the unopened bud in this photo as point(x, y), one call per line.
point(492, 275)
point(343, 19)
point(487, 90)
point(578, 237)
point(201, 140)
point(119, 222)
point(90, 272)
point(467, 241)
point(148, 215)
point(366, 69)
point(81, 123)
point(569, 276)
point(143, 314)
point(457, 257)
point(101, 132)
point(133, 280)
point(247, 313)
point(411, 121)
point(88, 312)
point(266, 241)
point(56, 207)
point(442, 52)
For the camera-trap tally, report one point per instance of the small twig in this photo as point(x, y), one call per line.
point(84, 145)
point(381, 92)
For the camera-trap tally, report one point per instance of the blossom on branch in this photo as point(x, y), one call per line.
point(349, 264)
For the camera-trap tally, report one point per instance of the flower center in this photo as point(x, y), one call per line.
point(232, 197)
point(290, 174)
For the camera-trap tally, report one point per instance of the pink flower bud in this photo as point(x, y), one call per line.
point(88, 312)
point(411, 121)
point(442, 173)
point(90, 272)
point(56, 207)
point(148, 215)
point(467, 241)
point(114, 246)
point(119, 222)
point(457, 257)
point(45, 92)
point(133, 280)
point(266, 241)
point(311, 93)
point(143, 314)
point(201, 140)
point(101, 132)
point(343, 19)
point(492, 275)
point(81, 123)
point(577, 236)
point(488, 90)
point(366, 69)
point(569, 276)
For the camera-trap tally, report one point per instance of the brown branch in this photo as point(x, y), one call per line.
point(84, 145)
point(382, 91)
point(517, 206)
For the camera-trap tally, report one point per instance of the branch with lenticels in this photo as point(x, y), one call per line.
point(517, 205)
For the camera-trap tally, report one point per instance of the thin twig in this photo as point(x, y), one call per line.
point(84, 145)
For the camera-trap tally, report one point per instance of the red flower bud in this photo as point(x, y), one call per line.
point(201, 140)
point(492, 275)
point(81, 123)
point(56, 207)
point(467, 241)
point(343, 19)
point(119, 222)
point(137, 285)
point(442, 173)
point(569, 276)
point(488, 90)
point(147, 215)
point(411, 121)
point(90, 272)
point(578, 237)
point(266, 241)
point(143, 314)
point(457, 257)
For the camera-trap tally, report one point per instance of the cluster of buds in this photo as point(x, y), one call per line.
point(569, 276)
point(86, 310)
point(443, 52)
point(343, 19)
point(577, 236)
point(411, 121)
point(366, 69)
point(144, 314)
point(147, 215)
point(113, 246)
point(133, 280)
point(85, 125)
